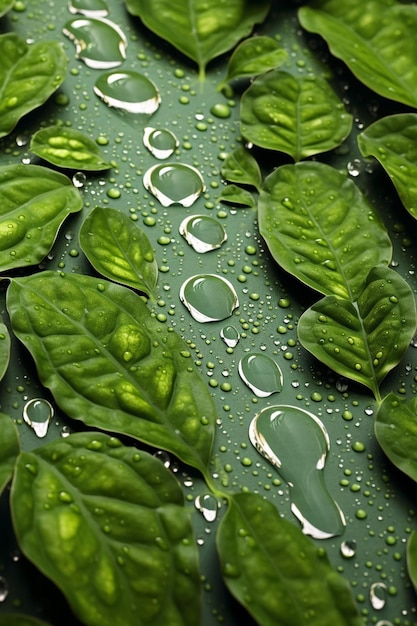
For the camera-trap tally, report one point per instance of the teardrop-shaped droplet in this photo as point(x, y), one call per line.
point(128, 91)
point(98, 42)
point(296, 443)
point(378, 595)
point(208, 505)
point(209, 297)
point(37, 413)
point(230, 336)
point(174, 183)
point(203, 233)
point(4, 589)
point(88, 8)
point(161, 143)
point(348, 549)
point(261, 374)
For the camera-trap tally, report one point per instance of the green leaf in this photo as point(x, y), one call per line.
point(299, 115)
point(242, 168)
point(232, 194)
point(107, 524)
point(29, 74)
point(16, 619)
point(319, 227)
point(396, 432)
point(412, 558)
point(255, 56)
point(375, 38)
point(362, 340)
point(68, 148)
point(276, 572)
point(5, 6)
point(200, 29)
point(4, 348)
point(34, 202)
point(393, 141)
point(9, 449)
point(119, 250)
point(111, 364)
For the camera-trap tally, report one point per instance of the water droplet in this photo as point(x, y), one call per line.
point(163, 457)
point(79, 179)
point(160, 143)
point(203, 233)
point(348, 549)
point(37, 413)
point(230, 336)
point(296, 443)
point(378, 595)
point(209, 297)
point(261, 374)
point(208, 505)
point(100, 43)
point(88, 8)
point(4, 589)
point(354, 167)
point(174, 183)
point(128, 91)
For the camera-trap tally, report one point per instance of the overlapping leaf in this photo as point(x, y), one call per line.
point(9, 449)
point(109, 363)
point(4, 348)
point(107, 523)
point(232, 194)
point(362, 340)
point(255, 56)
point(34, 201)
point(242, 168)
point(17, 619)
point(393, 141)
point(200, 29)
point(5, 6)
point(29, 74)
point(299, 115)
point(276, 572)
point(319, 227)
point(412, 558)
point(375, 38)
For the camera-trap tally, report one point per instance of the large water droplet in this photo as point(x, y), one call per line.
point(208, 505)
point(174, 183)
point(88, 8)
point(161, 143)
point(209, 297)
point(98, 42)
point(128, 91)
point(261, 374)
point(37, 413)
point(4, 589)
point(230, 336)
point(378, 595)
point(203, 233)
point(296, 443)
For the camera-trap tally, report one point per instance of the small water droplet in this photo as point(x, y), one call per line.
point(161, 143)
point(174, 183)
point(164, 457)
point(354, 167)
point(37, 413)
point(88, 8)
point(208, 505)
point(203, 233)
point(378, 596)
point(209, 297)
point(79, 180)
point(348, 549)
point(261, 374)
point(128, 91)
point(230, 336)
point(4, 589)
point(100, 43)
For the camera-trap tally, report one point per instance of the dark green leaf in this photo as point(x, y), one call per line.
point(34, 201)
point(393, 141)
point(119, 250)
point(111, 364)
point(362, 340)
point(375, 38)
point(299, 115)
point(16, 619)
point(4, 349)
point(107, 524)
point(5, 5)
point(255, 56)
point(9, 449)
point(319, 227)
point(412, 558)
point(200, 29)
point(68, 148)
point(232, 194)
point(29, 74)
point(276, 572)
point(242, 168)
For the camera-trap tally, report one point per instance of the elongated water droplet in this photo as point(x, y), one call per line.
point(230, 336)
point(100, 43)
point(174, 183)
point(203, 233)
point(261, 374)
point(160, 142)
point(88, 8)
point(209, 297)
point(378, 596)
point(128, 91)
point(296, 443)
point(4, 589)
point(37, 413)
point(208, 505)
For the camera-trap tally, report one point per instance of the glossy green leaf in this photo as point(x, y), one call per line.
point(232, 194)
point(111, 364)
point(319, 227)
point(4, 348)
point(9, 449)
point(34, 202)
point(5, 6)
point(375, 38)
point(242, 168)
point(200, 29)
point(276, 572)
point(255, 56)
point(299, 115)
point(412, 558)
point(107, 524)
point(16, 619)
point(119, 250)
point(393, 141)
point(362, 340)
point(68, 148)
point(396, 432)
point(29, 74)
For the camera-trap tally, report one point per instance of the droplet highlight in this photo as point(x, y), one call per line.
point(208, 505)
point(128, 91)
point(37, 413)
point(203, 233)
point(208, 297)
point(378, 595)
point(230, 336)
point(174, 183)
point(100, 43)
point(261, 374)
point(161, 143)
